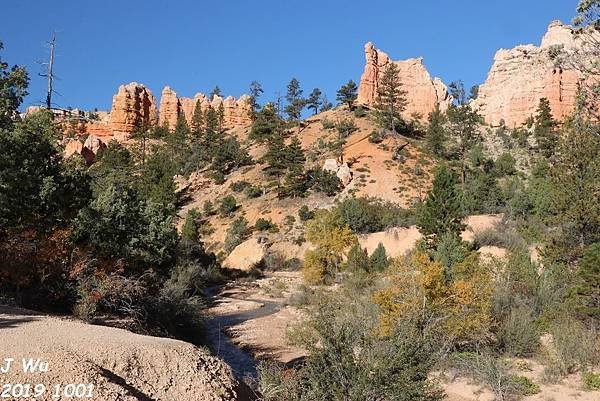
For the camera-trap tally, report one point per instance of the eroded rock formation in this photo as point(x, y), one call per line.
point(133, 106)
point(423, 92)
point(236, 112)
point(521, 76)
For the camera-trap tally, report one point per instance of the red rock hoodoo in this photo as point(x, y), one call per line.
point(423, 92)
point(133, 106)
point(237, 112)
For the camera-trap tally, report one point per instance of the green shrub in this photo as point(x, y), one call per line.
point(450, 250)
point(346, 359)
point(490, 371)
point(357, 259)
point(324, 181)
point(360, 112)
point(305, 214)
point(227, 206)
point(573, 348)
point(208, 208)
point(218, 177)
point(236, 234)
point(524, 385)
point(379, 260)
point(518, 334)
point(254, 191)
point(367, 215)
point(263, 224)
point(503, 237)
point(239, 186)
point(327, 124)
point(591, 381)
point(505, 165)
point(376, 137)
point(345, 127)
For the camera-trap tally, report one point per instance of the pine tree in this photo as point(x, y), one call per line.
point(215, 92)
point(436, 133)
point(182, 130)
point(314, 100)
point(295, 181)
point(255, 91)
point(575, 195)
point(266, 125)
point(463, 125)
point(197, 120)
point(442, 212)
point(544, 129)
point(295, 101)
point(221, 117)
point(379, 260)
point(587, 283)
point(13, 88)
point(347, 94)
point(212, 134)
point(275, 157)
point(391, 98)
point(358, 261)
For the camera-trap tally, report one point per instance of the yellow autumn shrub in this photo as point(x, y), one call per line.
point(332, 239)
point(455, 302)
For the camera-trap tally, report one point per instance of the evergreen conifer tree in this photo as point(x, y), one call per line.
point(295, 102)
point(436, 134)
point(314, 100)
point(391, 98)
point(544, 130)
point(442, 212)
point(379, 260)
point(347, 94)
point(255, 91)
point(358, 261)
point(197, 120)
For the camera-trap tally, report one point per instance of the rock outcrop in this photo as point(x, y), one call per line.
point(521, 76)
point(246, 255)
point(88, 149)
point(236, 112)
point(169, 108)
point(342, 171)
point(423, 92)
point(133, 106)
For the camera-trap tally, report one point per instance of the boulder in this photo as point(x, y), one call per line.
point(344, 174)
point(72, 147)
point(246, 255)
point(342, 171)
point(330, 165)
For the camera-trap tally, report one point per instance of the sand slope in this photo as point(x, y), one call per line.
point(121, 365)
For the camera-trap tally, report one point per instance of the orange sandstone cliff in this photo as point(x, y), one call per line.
point(423, 92)
point(521, 76)
point(237, 112)
point(133, 106)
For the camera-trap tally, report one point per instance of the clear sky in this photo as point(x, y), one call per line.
point(194, 45)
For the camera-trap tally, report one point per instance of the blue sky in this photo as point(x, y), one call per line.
point(194, 45)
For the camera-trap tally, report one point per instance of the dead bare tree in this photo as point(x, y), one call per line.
point(49, 72)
